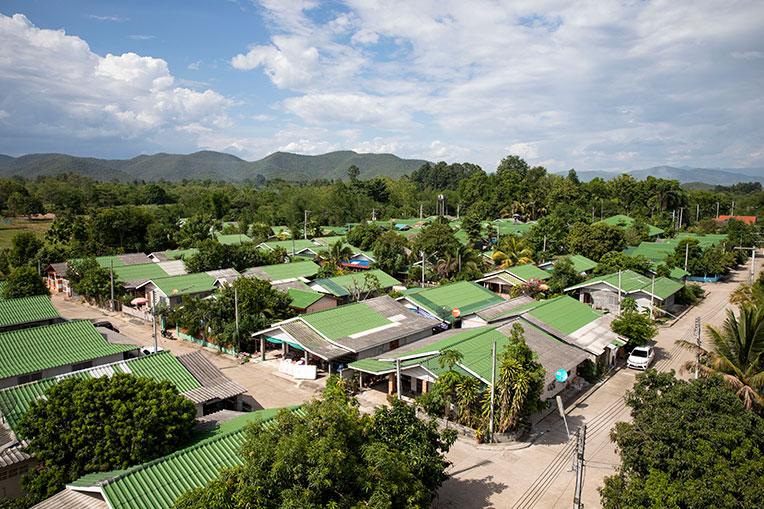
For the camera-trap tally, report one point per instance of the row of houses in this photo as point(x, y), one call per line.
point(39, 348)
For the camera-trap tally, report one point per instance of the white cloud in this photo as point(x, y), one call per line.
point(747, 55)
point(350, 108)
point(194, 66)
point(288, 62)
point(116, 19)
point(4, 114)
point(54, 85)
point(142, 37)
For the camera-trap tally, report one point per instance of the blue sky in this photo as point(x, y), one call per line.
point(595, 85)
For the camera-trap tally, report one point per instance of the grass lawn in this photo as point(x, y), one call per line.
point(10, 226)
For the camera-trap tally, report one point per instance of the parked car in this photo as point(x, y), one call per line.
point(105, 324)
point(148, 350)
point(641, 357)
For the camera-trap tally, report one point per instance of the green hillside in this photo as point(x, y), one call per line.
point(210, 165)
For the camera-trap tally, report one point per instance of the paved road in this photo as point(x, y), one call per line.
point(540, 475)
point(267, 388)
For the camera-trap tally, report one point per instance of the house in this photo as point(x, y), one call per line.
point(502, 280)
point(192, 374)
point(51, 350)
point(302, 248)
point(355, 286)
point(232, 239)
point(606, 292)
point(299, 270)
point(581, 264)
point(625, 222)
point(57, 281)
point(171, 290)
point(27, 312)
point(173, 254)
point(420, 366)
point(457, 303)
point(308, 301)
point(350, 332)
point(157, 484)
point(749, 220)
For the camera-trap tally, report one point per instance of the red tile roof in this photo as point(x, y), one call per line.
point(745, 219)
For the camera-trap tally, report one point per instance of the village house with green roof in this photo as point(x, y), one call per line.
point(581, 264)
point(464, 299)
point(415, 367)
point(27, 312)
point(346, 333)
point(283, 272)
point(501, 281)
point(171, 290)
point(625, 222)
point(356, 285)
point(157, 484)
point(606, 292)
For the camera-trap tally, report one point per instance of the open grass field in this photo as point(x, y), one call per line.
point(10, 226)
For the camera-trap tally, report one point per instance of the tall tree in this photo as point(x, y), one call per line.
point(23, 282)
point(510, 251)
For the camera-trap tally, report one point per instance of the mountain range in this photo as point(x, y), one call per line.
point(297, 167)
point(210, 165)
point(684, 174)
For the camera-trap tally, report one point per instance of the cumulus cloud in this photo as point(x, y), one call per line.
point(116, 19)
point(605, 84)
point(54, 85)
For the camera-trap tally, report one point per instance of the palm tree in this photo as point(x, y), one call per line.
point(511, 251)
point(469, 392)
point(336, 254)
point(449, 358)
point(737, 354)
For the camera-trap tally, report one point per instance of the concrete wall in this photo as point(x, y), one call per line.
point(10, 478)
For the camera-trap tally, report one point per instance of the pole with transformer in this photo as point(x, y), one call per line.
point(580, 447)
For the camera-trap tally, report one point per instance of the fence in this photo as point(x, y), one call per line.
point(202, 342)
point(137, 313)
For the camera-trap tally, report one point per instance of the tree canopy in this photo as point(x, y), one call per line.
point(333, 456)
point(98, 424)
point(23, 282)
point(690, 445)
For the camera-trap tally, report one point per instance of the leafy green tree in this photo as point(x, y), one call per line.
point(353, 173)
point(364, 235)
point(23, 204)
point(333, 456)
point(23, 282)
point(88, 425)
point(121, 228)
point(549, 231)
point(637, 327)
point(336, 253)
point(194, 230)
point(92, 281)
point(736, 353)
point(24, 249)
point(563, 276)
point(473, 228)
point(390, 252)
point(212, 255)
point(636, 233)
point(595, 240)
point(435, 238)
point(616, 260)
point(690, 445)
point(510, 251)
point(519, 383)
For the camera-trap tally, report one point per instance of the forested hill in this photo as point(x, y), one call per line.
point(210, 165)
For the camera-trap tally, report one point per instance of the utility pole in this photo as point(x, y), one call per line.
point(458, 206)
point(619, 293)
point(652, 298)
point(686, 255)
point(697, 212)
point(420, 211)
point(305, 225)
point(681, 217)
point(493, 392)
point(544, 249)
point(717, 210)
point(580, 445)
point(398, 378)
point(422, 253)
point(697, 341)
point(752, 275)
point(601, 209)
point(111, 285)
point(236, 316)
point(154, 319)
point(373, 214)
point(732, 210)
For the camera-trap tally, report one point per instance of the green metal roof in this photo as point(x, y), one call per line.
point(630, 282)
point(292, 270)
point(233, 238)
point(345, 320)
point(582, 263)
point(465, 295)
point(302, 299)
point(140, 272)
point(299, 245)
point(109, 261)
point(26, 310)
point(527, 272)
point(177, 254)
point(510, 227)
point(38, 348)
point(564, 313)
point(15, 401)
point(626, 221)
point(158, 483)
point(340, 286)
point(186, 284)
